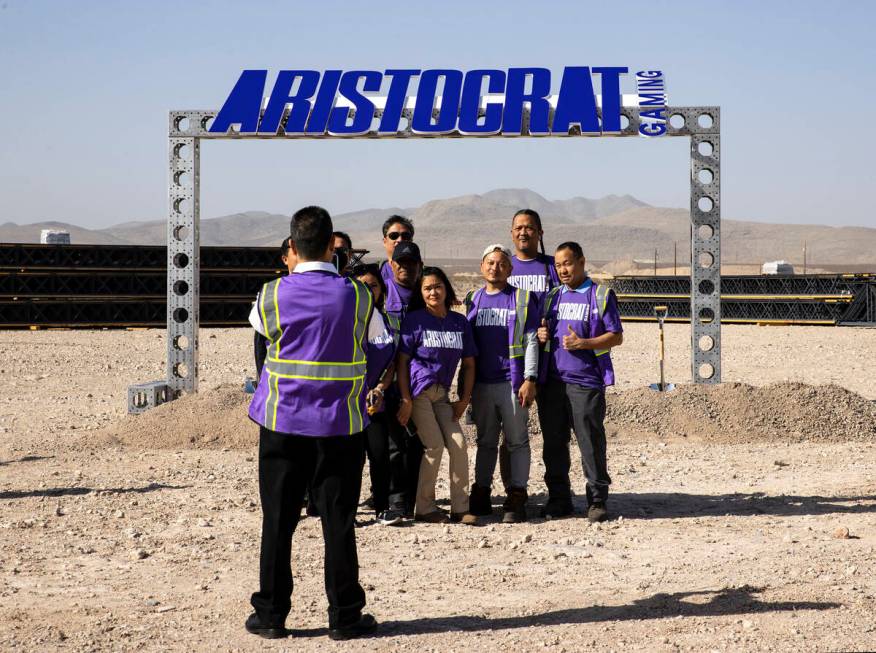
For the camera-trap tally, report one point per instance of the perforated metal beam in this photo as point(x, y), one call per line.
point(187, 128)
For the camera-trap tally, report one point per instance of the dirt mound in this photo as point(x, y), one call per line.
point(737, 412)
point(213, 418)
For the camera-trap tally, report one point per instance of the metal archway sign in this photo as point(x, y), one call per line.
point(511, 107)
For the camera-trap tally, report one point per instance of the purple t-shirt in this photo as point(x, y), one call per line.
point(572, 308)
point(397, 297)
point(435, 345)
point(490, 326)
point(538, 275)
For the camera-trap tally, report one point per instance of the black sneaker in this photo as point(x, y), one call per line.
point(597, 512)
point(557, 509)
point(480, 502)
point(255, 626)
point(365, 626)
point(390, 517)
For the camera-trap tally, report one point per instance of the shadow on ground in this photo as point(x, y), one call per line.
point(675, 505)
point(718, 603)
point(73, 491)
point(24, 459)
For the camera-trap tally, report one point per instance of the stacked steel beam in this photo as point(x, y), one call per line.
point(827, 299)
point(93, 286)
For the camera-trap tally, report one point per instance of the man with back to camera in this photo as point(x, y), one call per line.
point(580, 325)
point(311, 409)
point(504, 320)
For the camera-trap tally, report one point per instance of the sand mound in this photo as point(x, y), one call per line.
point(213, 418)
point(216, 418)
point(737, 412)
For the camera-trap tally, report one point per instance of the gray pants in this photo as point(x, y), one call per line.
point(495, 408)
point(562, 408)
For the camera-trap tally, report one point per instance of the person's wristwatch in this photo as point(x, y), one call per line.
point(531, 378)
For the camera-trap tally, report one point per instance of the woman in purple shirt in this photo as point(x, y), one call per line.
point(434, 339)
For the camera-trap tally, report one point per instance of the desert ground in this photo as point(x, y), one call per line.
point(744, 518)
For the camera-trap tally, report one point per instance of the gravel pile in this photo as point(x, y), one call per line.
point(737, 412)
point(214, 418)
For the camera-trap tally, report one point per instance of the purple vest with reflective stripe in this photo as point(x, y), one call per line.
point(314, 375)
point(519, 305)
point(597, 298)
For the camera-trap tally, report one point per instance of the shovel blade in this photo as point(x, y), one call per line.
point(666, 387)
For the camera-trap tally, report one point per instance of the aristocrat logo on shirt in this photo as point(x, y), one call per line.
point(573, 312)
point(442, 339)
point(492, 317)
point(384, 338)
point(531, 282)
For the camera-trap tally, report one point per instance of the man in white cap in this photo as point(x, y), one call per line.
point(504, 320)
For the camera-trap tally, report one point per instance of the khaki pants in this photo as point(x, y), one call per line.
point(433, 415)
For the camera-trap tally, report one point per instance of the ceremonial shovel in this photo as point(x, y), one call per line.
point(660, 314)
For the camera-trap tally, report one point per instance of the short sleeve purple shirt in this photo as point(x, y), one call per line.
point(435, 345)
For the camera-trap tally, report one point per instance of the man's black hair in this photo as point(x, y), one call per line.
point(311, 231)
point(398, 219)
point(284, 247)
point(343, 235)
point(574, 247)
point(417, 301)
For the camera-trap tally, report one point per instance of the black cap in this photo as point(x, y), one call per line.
point(407, 249)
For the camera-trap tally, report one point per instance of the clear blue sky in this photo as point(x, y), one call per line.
point(85, 88)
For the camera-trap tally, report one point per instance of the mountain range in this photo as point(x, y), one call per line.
point(609, 228)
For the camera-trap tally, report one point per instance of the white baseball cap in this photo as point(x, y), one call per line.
point(498, 247)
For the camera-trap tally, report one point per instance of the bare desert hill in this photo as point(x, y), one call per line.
point(613, 227)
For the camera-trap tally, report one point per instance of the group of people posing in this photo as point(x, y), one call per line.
point(361, 359)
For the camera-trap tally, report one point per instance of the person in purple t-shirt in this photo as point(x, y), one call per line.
point(400, 272)
point(533, 269)
point(434, 340)
point(504, 320)
point(387, 489)
point(580, 325)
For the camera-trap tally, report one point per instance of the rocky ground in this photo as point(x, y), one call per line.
point(119, 534)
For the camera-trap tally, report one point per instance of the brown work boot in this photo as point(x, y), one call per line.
point(464, 518)
point(515, 506)
point(435, 517)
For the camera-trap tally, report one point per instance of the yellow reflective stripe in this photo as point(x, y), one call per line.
point(269, 311)
point(600, 352)
point(277, 308)
point(321, 371)
point(272, 401)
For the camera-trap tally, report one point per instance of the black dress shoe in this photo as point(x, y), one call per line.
point(365, 626)
point(255, 626)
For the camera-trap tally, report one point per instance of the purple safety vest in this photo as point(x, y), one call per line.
point(313, 380)
point(516, 325)
point(597, 297)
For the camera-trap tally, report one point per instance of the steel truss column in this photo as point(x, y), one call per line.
point(705, 217)
point(183, 259)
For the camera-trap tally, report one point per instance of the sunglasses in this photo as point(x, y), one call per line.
point(395, 235)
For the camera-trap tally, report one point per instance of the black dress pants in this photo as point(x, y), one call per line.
point(562, 408)
point(332, 466)
point(377, 447)
point(405, 454)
